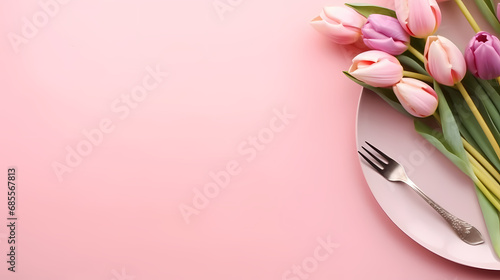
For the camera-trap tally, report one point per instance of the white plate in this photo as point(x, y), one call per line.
point(392, 132)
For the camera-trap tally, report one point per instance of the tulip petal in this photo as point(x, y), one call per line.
point(384, 33)
point(444, 61)
point(388, 44)
point(438, 65)
point(374, 56)
point(402, 12)
point(342, 14)
point(470, 61)
point(376, 68)
point(388, 26)
point(493, 41)
point(421, 19)
point(381, 74)
point(336, 32)
point(418, 98)
point(437, 13)
point(455, 57)
point(487, 62)
point(341, 24)
point(369, 32)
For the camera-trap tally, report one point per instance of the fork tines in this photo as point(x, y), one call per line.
point(377, 158)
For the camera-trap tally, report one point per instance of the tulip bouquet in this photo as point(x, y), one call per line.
point(452, 94)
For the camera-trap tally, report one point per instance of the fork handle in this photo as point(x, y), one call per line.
point(464, 230)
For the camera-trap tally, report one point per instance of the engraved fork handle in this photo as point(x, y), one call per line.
point(464, 230)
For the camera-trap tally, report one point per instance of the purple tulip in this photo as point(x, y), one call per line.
point(483, 56)
point(384, 33)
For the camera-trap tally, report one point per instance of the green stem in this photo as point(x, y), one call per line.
point(468, 16)
point(479, 119)
point(484, 162)
point(486, 182)
point(418, 76)
point(487, 177)
point(487, 193)
point(416, 53)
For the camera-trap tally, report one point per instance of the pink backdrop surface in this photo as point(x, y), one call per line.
point(174, 140)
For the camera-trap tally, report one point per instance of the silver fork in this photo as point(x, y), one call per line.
point(393, 171)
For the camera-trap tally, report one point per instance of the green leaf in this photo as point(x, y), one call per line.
point(485, 105)
point(437, 139)
point(490, 4)
point(494, 83)
point(450, 128)
point(489, 15)
point(491, 92)
point(385, 93)
point(466, 135)
point(470, 123)
point(488, 118)
point(412, 63)
point(366, 10)
point(491, 218)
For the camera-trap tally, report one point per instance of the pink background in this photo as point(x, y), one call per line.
point(231, 76)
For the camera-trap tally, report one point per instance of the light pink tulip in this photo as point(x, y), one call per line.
point(376, 68)
point(420, 18)
point(444, 61)
point(341, 24)
point(418, 98)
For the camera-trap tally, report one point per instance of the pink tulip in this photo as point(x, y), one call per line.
point(420, 18)
point(376, 68)
point(341, 24)
point(384, 33)
point(444, 61)
point(418, 98)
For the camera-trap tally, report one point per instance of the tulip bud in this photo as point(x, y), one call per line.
point(444, 61)
point(376, 68)
point(483, 56)
point(418, 98)
point(384, 33)
point(341, 24)
point(420, 18)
